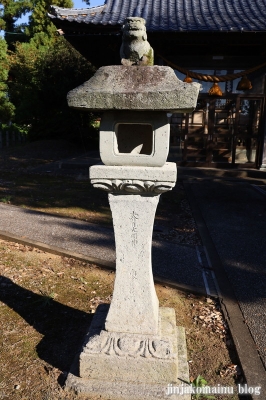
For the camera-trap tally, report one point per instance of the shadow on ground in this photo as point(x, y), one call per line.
point(63, 328)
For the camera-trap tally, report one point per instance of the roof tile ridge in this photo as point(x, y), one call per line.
point(163, 16)
point(195, 6)
point(105, 11)
point(205, 20)
point(138, 8)
point(146, 10)
point(246, 15)
point(218, 8)
point(236, 19)
point(179, 6)
point(126, 12)
point(236, 9)
point(85, 10)
point(113, 6)
point(259, 8)
point(173, 16)
point(154, 15)
point(132, 7)
point(185, 14)
point(107, 4)
point(180, 14)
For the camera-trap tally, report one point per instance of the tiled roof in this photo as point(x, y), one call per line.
point(174, 15)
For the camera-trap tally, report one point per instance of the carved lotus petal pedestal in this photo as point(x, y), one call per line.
point(133, 349)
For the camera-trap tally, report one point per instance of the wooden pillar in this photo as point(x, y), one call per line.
point(13, 137)
point(7, 139)
point(184, 158)
point(263, 164)
point(234, 136)
point(209, 149)
point(261, 157)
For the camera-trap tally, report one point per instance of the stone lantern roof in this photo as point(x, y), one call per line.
point(119, 87)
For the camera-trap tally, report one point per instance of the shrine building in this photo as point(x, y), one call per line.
point(219, 43)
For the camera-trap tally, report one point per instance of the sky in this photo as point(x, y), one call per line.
point(93, 3)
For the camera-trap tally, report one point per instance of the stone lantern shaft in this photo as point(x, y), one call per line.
point(134, 307)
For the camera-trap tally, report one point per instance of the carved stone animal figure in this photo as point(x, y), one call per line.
point(135, 49)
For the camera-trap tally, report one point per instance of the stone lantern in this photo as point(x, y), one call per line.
point(131, 349)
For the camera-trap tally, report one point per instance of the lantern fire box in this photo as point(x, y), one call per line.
point(134, 138)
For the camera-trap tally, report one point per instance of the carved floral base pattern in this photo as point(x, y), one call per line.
point(132, 185)
point(123, 345)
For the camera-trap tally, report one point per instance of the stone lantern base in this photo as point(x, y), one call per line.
point(119, 366)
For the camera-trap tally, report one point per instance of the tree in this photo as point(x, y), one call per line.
point(11, 11)
point(43, 75)
point(40, 28)
point(43, 68)
point(6, 107)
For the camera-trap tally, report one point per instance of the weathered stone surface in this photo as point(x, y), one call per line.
point(129, 345)
point(131, 350)
point(138, 376)
point(134, 138)
point(131, 357)
point(133, 186)
point(167, 173)
point(134, 306)
point(118, 87)
point(118, 179)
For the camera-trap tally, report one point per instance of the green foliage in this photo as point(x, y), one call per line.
point(5, 199)
point(43, 68)
point(200, 382)
point(40, 27)
point(12, 10)
point(45, 300)
point(15, 128)
point(6, 107)
point(2, 22)
point(43, 75)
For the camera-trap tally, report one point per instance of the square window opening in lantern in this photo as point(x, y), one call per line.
point(134, 139)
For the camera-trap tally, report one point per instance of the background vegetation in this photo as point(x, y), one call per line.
point(37, 69)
